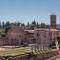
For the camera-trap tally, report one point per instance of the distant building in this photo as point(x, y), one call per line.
point(29, 36)
point(53, 21)
point(44, 37)
point(58, 26)
point(15, 35)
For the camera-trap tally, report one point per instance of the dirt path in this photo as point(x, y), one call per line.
point(58, 54)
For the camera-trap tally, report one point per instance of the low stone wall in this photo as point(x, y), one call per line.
point(3, 41)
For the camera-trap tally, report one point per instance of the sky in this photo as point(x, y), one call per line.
point(26, 11)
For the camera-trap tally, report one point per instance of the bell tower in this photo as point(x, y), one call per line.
point(53, 21)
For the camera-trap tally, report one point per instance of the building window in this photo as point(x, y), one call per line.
point(44, 36)
point(19, 35)
point(37, 34)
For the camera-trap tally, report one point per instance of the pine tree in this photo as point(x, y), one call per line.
point(37, 25)
point(3, 24)
point(0, 24)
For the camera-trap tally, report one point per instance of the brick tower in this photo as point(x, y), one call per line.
point(53, 21)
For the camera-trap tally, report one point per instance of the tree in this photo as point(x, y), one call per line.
point(18, 23)
point(7, 24)
point(0, 24)
point(7, 28)
point(3, 24)
point(33, 24)
point(23, 25)
point(43, 25)
point(28, 24)
point(37, 25)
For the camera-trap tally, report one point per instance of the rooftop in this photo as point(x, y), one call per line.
point(47, 29)
point(30, 31)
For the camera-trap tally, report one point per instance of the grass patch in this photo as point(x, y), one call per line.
point(42, 52)
point(22, 51)
point(15, 51)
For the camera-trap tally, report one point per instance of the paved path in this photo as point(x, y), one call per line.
point(53, 58)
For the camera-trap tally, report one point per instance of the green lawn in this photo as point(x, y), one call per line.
point(15, 51)
point(40, 51)
point(21, 51)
